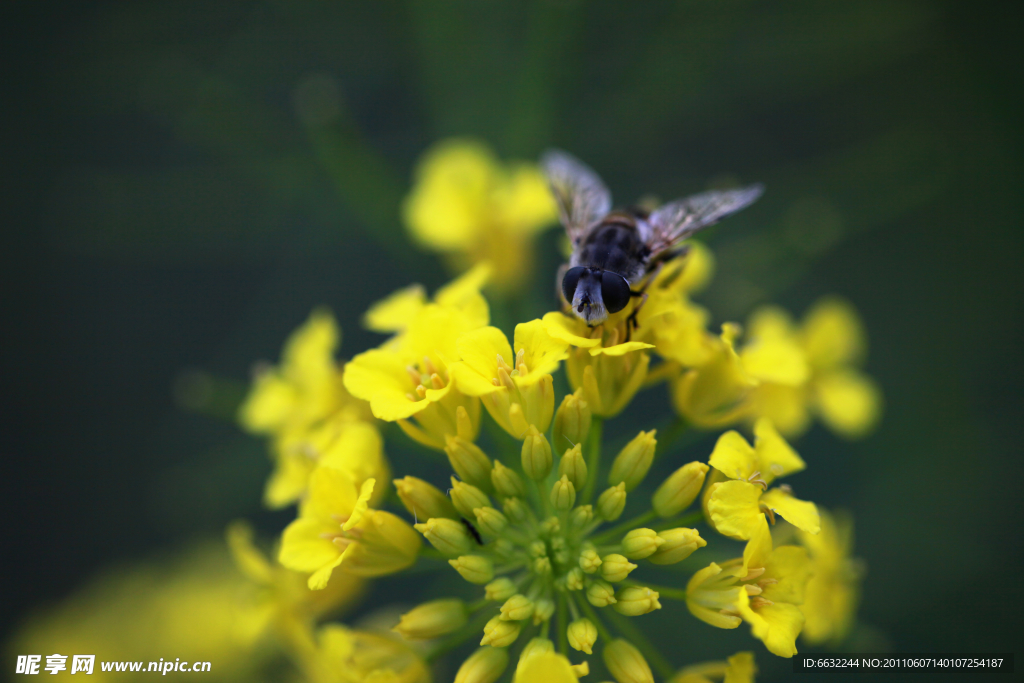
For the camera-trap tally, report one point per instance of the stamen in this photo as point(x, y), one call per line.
point(752, 589)
point(613, 337)
point(428, 367)
point(729, 612)
point(436, 381)
point(760, 602)
point(414, 374)
point(411, 397)
point(495, 382)
point(340, 519)
point(506, 381)
point(755, 478)
point(764, 583)
point(421, 391)
point(770, 512)
point(753, 573)
point(341, 542)
point(776, 469)
point(502, 365)
point(786, 488)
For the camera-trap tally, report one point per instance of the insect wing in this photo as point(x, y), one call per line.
point(581, 195)
point(675, 221)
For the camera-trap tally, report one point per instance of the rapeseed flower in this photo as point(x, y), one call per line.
point(830, 602)
point(471, 207)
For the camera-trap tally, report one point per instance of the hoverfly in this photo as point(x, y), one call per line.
point(613, 251)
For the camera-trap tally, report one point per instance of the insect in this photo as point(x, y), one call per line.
point(614, 251)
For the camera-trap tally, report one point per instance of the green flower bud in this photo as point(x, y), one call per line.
point(631, 464)
point(538, 549)
point(636, 600)
point(500, 633)
point(490, 521)
point(582, 635)
point(563, 494)
point(580, 517)
point(615, 567)
point(590, 561)
point(600, 593)
point(432, 619)
point(679, 545)
point(574, 579)
point(473, 568)
point(469, 462)
point(612, 502)
point(641, 543)
point(515, 510)
point(517, 608)
point(424, 500)
point(542, 565)
point(625, 663)
point(550, 526)
point(447, 535)
point(542, 610)
point(536, 454)
point(506, 481)
point(573, 466)
point(680, 489)
point(467, 498)
point(500, 590)
point(572, 422)
point(483, 666)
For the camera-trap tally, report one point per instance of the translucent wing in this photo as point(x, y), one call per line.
point(675, 221)
point(581, 196)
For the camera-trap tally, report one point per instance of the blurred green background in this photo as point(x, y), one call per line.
point(187, 180)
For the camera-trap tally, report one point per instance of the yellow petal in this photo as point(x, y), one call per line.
point(780, 361)
point(546, 667)
point(525, 202)
point(800, 513)
point(463, 293)
point(393, 313)
point(741, 668)
point(357, 450)
point(288, 481)
point(775, 457)
point(850, 403)
point(303, 546)
point(733, 456)
point(331, 493)
point(785, 406)
point(621, 349)
point(832, 334)
point(380, 377)
point(734, 510)
point(569, 329)
point(791, 567)
point(541, 352)
point(771, 322)
point(363, 502)
point(308, 353)
point(318, 579)
point(777, 625)
point(758, 551)
point(480, 348)
point(247, 558)
point(269, 404)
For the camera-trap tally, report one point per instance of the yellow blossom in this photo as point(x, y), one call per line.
point(336, 526)
point(830, 603)
point(466, 204)
point(544, 665)
point(345, 655)
point(739, 668)
point(716, 393)
point(811, 369)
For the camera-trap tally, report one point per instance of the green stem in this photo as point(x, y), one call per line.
point(593, 459)
point(639, 639)
point(663, 591)
point(629, 525)
point(591, 613)
point(687, 521)
point(563, 625)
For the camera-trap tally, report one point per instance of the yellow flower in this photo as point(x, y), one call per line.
point(609, 369)
point(811, 369)
point(737, 507)
point(345, 655)
point(544, 667)
point(833, 591)
point(466, 204)
point(515, 385)
point(336, 526)
point(739, 668)
point(716, 393)
point(303, 405)
point(409, 375)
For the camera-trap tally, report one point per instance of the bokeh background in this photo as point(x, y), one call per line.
point(186, 181)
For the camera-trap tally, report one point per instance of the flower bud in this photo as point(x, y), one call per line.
point(467, 498)
point(626, 663)
point(469, 462)
point(600, 593)
point(680, 489)
point(517, 608)
point(563, 494)
point(473, 568)
point(612, 502)
point(636, 600)
point(572, 422)
point(582, 669)
point(633, 461)
point(679, 545)
point(483, 666)
point(536, 454)
point(574, 466)
point(432, 619)
point(536, 646)
point(500, 633)
point(447, 535)
point(506, 481)
point(515, 510)
point(500, 590)
point(424, 500)
point(574, 579)
point(580, 517)
point(641, 543)
point(582, 635)
point(590, 561)
point(542, 565)
point(490, 521)
point(542, 611)
point(615, 567)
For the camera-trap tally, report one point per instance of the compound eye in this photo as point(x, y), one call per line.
point(569, 282)
point(614, 291)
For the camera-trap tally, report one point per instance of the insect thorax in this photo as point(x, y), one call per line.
point(614, 245)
